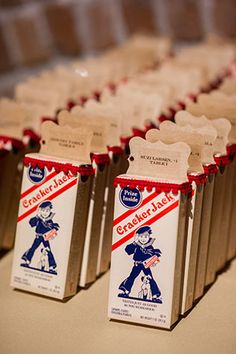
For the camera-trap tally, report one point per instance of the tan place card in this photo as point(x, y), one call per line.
point(222, 126)
point(12, 118)
point(66, 142)
point(97, 126)
point(158, 160)
point(214, 108)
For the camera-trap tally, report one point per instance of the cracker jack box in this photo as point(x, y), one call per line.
point(200, 153)
point(53, 212)
point(12, 150)
point(226, 96)
point(115, 152)
point(219, 230)
point(218, 146)
point(210, 172)
point(223, 242)
point(149, 235)
point(225, 162)
point(216, 219)
point(100, 159)
point(213, 108)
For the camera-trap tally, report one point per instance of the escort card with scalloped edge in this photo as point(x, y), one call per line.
point(80, 119)
point(200, 140)
point(222, 126)
point(13, 119)
point(113, 116)
point(158, 160)
point(66, 142)
point(214, 108)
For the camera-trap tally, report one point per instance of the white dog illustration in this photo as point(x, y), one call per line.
point(145, 293)
point(43, 261)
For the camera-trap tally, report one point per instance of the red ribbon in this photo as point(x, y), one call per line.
point(83, 170)
point(184, 188)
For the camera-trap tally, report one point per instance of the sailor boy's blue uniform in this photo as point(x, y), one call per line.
point(141, 252)
point(42, 226)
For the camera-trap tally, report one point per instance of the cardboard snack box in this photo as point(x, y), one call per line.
point(200, 140)
point(149, 235)
point(101, 163)
point(198, 184)
point(222, 128)
point(218, 237)
point(224, 236)
point(210, 171)
point(53, 213)
point(98, 127)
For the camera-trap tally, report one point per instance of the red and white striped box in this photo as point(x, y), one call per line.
point(51, 225)
point(148, 250)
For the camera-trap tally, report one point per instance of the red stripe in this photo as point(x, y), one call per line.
point(129, 212)
point(27, 213)
point(30, 190)
point(149, 222)
point(54, 195)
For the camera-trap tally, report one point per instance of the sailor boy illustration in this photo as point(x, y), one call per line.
point(144, 256)
point(46, 230)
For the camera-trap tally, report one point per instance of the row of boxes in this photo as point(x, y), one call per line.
point(41, 98)
point(32, 32)
point(174, 220)
point(64, 231)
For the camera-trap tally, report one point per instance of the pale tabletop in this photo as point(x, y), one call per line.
point(33, 324)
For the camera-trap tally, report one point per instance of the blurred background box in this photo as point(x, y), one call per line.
point(139, 16)
point(62, 24)
point(10, 3)
point(224, 17)
point(100, 18)
point(39, 34)
point(184, 18)
point(30, 43)
point(5, 62)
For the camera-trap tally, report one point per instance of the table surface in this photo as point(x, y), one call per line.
point(34, 324)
